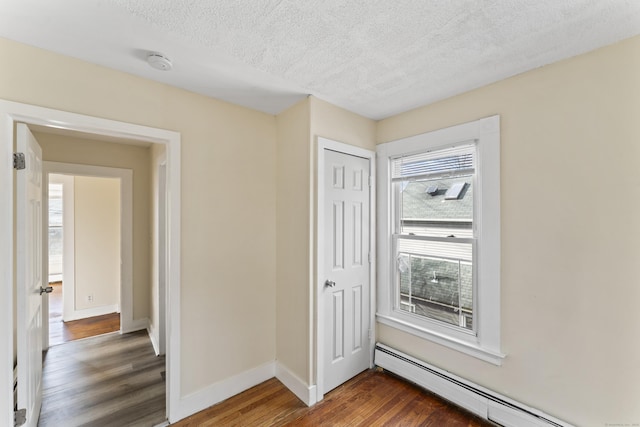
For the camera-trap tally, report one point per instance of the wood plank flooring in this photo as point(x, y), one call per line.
point(60, 332)
point(373, 398)
point(110, 380)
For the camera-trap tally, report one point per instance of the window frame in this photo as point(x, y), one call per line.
point(484, 342)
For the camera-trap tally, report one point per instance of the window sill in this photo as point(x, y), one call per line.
point(469, 348)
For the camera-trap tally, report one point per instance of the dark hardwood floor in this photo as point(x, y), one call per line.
point(373, 398)
point(110, 380)
point(60, 332)
point(116, 380)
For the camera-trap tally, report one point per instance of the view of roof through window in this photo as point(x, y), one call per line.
point(434, 199)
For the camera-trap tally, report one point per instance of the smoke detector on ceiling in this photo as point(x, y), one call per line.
point(159, 61)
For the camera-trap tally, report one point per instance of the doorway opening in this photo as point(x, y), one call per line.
point(84, 230)
point(101, 234)
point(13, 113)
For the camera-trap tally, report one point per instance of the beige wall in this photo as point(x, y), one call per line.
point(570, 207)
point(228, 201)
point(97, 241)
point(341, 125)
point(292, 248)
point(298, 129)
point(64, 149)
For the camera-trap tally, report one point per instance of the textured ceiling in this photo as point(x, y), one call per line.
point(376, 58)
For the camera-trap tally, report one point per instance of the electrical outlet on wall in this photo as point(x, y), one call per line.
point(90, 298)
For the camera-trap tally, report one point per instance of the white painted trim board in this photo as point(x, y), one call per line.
point(216, 393)
point(151, 331)
point(307, 394)
point(93, 311)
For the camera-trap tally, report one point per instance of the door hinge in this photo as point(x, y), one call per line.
point(369, 257)
point(369, 333)
point(370, 180)
point(18, 161)
point(19, 417)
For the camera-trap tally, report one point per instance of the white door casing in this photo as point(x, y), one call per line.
point(162, 255)
point(12, 113)
point(29, 275)
point(346, 284)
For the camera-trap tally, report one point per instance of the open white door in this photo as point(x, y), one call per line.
point(29, 275)
point(346, 267)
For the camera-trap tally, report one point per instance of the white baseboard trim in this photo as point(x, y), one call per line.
point(154, 338)
point(134, 325)
point(215, 393)
point(298, 387)
point(91, 312)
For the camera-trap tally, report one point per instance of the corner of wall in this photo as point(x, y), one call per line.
point(292, 237)
point(304, 392)
point(219, 391)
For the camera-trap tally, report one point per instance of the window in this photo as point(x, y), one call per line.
point(439, 237)
point(432, 210)
point(55, 232)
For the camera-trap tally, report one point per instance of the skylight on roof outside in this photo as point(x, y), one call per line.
point(454, 192)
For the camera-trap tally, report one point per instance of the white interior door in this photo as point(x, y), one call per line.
point(346, 267)
point(29, 275)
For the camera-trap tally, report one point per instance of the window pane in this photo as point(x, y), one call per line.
point(426, 210)
point(55, 250)
point(55, 229)
point(451, 250)
point(437, 288)
point(55, 204)
point(434, 199)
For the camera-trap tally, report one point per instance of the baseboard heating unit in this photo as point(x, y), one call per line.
point(474, 398)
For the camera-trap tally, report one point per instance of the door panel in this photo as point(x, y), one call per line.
point(29, 275)
point(358, 331)
point(346, 294)
point(338, 325)
point(356, 213)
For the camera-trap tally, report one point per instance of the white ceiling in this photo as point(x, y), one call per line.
point(376, 58)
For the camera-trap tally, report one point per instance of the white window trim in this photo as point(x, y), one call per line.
point(484, 345)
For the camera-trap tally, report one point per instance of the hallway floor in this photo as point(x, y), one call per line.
point(61, 332)
point(110, 380)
